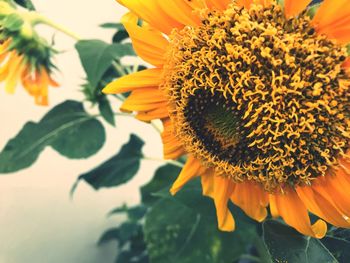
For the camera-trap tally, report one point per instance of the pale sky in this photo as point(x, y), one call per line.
point(38, 221)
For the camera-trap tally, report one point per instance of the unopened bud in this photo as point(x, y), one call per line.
point(27, 31)
point(5, 9)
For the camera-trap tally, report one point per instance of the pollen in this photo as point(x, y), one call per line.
point(257, 96)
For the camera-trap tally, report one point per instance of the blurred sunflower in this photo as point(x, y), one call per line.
point(24, 56)
point(26, 67)
point(257, 95)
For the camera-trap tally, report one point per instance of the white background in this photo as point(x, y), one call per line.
point(38, 221)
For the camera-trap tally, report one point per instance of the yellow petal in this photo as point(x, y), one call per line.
point(244, 3)
point(207, 181)
point(295, 7)
point(145, 99)
point(4, 71)
point(218, 4)
point(223, 188)
point(180, 11)
point(42, 80)
point(321, 207)
point(332, 19)
point(151, 12)
point(252, 199)
point(146, 96)
point(142, 79)
point(149, 44)
point(53, 83)
point(335, 188)
point(14, 71)
point(247, 3)
point(346, 64)
point(3, 56)
point(192, 169)
point(172, 148)
point(128, 106)
point(343, 162)
point(28, 83)
point(158, 113)
point(264, 3)
point(295, 214)
point(4, 46)
point(196, 4)
point(273, 206)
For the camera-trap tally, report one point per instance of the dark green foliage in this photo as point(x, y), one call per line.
point(287, 245)
point(26, 4)
point(13, 22)
point(119, 169)
point(106, 110)
point(185, 221)
point(97, 56)
point(162, 179)
point(117, 26)
point(67, 128)
point(135, 213)
point(120, 36)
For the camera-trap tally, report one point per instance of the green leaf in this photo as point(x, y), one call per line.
point(184, 229)
point(129, 256)
point(26, 4)
point(122, 234)
point(13, 22)
point(135, 251)
point(286, 245)
point(163, 178)
point(80, 135)
point(117, 26)
point(106, 110)
point(175, 233)
point(119, 169)
point(14, 156)
point(134, 214)
point(127, 230)
point(125, 256)
point(67, 128)
point(120, 36)
point(97, 56)
point(339, 247)
point(342, 233)
point(109, 235)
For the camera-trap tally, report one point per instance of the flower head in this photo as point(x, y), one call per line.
point(24, 56)
point(257, 95)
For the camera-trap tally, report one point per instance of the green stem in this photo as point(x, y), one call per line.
point(156, 127)
point(39, 19)
point(119, 97)
point(119, 68)
point(135, 68)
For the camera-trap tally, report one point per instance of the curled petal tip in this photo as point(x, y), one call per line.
point(110, 88)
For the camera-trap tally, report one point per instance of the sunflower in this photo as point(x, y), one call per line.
point(256, 94)
point(28, 67)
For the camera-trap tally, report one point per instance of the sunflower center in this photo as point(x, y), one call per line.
point(259, 97)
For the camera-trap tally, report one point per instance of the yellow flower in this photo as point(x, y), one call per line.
point(257, 95)
point(33, 73)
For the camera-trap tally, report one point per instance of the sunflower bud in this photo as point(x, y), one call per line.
point(25, 56)
point(27, 31)
point(6, 8)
